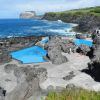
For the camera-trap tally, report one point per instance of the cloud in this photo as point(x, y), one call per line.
point(14, 7)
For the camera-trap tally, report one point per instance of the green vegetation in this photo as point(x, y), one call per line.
point(74, 94)
point(74, 13)
point(78, 12)
point(86, 18)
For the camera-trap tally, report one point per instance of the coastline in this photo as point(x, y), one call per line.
point(63, 68)
point(12, 44)
point(51, 76)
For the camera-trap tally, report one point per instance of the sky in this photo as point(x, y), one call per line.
point(12, 8)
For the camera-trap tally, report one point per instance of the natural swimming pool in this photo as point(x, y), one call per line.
point(33, 54)
point(45, 40)
point(79, 42)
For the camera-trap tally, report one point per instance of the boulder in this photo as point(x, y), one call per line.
point(52, 54)
point(94, 66)
point(54, 42)
point(84, 49)
point(56, 56)
point(24, 90)
point(96, 53)
point(67, 46)
point(55, 52)
point(28, 83)
point(60, 59)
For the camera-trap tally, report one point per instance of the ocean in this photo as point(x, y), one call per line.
point(32, 27)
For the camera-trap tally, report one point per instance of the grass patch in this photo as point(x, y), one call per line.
point(74, 94)
point(77, 12)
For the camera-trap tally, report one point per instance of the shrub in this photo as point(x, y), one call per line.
point(74, 94)
point(96, 10)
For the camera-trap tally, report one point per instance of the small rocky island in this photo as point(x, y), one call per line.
point(29, 15)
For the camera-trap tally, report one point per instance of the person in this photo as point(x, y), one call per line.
point(70, 50)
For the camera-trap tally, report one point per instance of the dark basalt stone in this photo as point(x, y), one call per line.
point(69, 77)
point(56, 46)
point(86, 22)
point(2, 93)
point(83, 49)
point(94, 66)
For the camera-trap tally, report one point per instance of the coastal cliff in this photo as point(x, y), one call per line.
point(87, 18)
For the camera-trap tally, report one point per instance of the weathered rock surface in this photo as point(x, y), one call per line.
point(85, 81)
point(84, 49)
point(86, 22)
point(56, 46)
point(28, 81)
point(94, 67)
point(68, 45)
point(25, 90)
point(70, 76)
point(10, 67)
point(2, 93)
point(28, 73)
point(61, 75)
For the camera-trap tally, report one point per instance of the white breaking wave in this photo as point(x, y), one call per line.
point(60, 21)
point(57, 31)
point(62, 32)
point(73, 24)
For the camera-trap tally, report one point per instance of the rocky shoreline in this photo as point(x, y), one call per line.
point(64, 67)
point(88, 19)
point(8, 45)
point(85, 23)
point(67, 65)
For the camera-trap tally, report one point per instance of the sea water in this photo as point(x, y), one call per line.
point(33, 27)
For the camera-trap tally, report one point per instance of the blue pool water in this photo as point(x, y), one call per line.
point(79, 42)
point(45, 40)
point(33, 27)
point(30, 55)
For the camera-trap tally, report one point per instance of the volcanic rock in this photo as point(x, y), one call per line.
point(27, 14)
point(28, 83)
point(55, 51)
point(84, 49)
